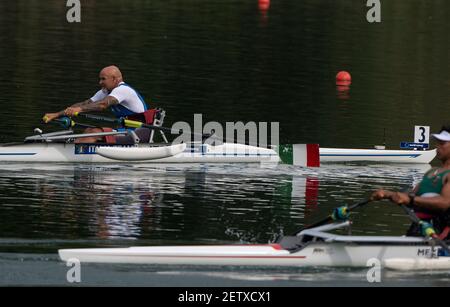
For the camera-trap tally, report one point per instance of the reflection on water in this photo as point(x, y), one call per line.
point(48, 207)
point(245, 203)
point(246, 60)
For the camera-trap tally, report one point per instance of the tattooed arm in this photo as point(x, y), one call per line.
point(80, 104)
point(51, 116)
point(92, 107)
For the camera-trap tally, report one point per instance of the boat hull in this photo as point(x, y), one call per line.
point(376, 155)
point(314, 254)
point(87, 153)
point(193, 153)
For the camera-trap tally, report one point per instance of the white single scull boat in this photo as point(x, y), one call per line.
point(148, 153)
point(311, 247)
point(59, 147)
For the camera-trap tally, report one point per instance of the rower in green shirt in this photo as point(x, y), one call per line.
point(430, 199)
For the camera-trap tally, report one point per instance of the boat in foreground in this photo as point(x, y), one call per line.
point(311, 247)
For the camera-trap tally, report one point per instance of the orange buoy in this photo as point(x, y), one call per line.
point(343, 78)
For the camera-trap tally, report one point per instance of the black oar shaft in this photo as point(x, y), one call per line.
point(68, 123)
point(136, 124)
point(330, 217)
point(100, 118)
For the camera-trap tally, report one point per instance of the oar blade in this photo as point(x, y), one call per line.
point(300, 154)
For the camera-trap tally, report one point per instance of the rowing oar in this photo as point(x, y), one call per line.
point(339, 213)
point(427, 228)
point(135, 124)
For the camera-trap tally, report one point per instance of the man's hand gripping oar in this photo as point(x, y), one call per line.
point(403, 199)
point(427, 229)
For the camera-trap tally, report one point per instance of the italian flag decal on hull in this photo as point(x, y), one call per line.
point(300, 154)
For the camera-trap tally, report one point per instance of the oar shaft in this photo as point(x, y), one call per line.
point(100, 118)
point(411, 214)
point(66, 122)
point(136, 124)
point(418, 221)
point(365, 202)
point(330, 217)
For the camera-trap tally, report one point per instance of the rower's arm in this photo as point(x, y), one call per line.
point(91, 107)
point(439, 203)
point(99, 105)
point(83, 103)
point(75, 105)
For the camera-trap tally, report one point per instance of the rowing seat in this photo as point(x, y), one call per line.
point(153, 117)
point(148, 117)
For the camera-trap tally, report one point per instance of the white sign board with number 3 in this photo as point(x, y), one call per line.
point(422, 134)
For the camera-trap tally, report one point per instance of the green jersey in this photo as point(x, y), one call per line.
point(432, 182)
